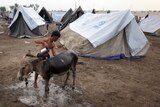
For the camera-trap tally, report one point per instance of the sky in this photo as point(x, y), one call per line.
point(140, 5)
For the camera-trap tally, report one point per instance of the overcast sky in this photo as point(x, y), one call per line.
point(89, 4)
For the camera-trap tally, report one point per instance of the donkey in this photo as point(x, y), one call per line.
point(62, 63)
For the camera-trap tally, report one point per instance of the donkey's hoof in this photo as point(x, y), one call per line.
point(73, 88)
point(35, 86)
point(63, 87)
point(44, 99)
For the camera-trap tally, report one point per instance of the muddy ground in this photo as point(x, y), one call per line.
point(102, 83)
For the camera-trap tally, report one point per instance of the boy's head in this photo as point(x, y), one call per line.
point(55, 35)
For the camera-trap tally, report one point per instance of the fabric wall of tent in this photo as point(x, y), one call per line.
point(12, 13)
point(105, 36)
point(57, 16)
point(66, 15)
point(150, 25)
point(27, 23)
point(75, 15)
point(45, 15)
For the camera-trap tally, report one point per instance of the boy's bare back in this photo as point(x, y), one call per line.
point(49, 42)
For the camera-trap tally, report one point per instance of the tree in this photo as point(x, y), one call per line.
point(14, 6)
point(36, 7)
point(2, 9)
point(31, 5)
point(11, 7)
point(24, 6)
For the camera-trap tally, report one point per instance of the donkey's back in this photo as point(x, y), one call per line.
point(61, 62)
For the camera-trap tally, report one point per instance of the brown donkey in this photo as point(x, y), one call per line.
point(62, 63)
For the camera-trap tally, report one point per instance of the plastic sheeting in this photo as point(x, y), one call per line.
point(99, 28)
point(151, 24)
point(57, 16)
point(30, 16)
point(135, 38)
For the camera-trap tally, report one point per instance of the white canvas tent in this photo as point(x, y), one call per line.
point(12, 13)
point(27, 22)
point(45, 15)
point(107, 36)
point(57, 16)
point(150, 25)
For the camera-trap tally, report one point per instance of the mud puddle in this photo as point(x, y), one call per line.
point(57, 96)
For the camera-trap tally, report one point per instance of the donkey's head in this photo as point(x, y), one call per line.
point(25, 69)
point(26, 66)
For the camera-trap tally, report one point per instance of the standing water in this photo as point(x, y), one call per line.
point(57, 96)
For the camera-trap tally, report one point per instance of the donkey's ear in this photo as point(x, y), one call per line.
point(34, 61)
point(29, 54)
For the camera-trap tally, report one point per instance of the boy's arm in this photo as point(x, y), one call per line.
point(40, 41)
point(53, 51)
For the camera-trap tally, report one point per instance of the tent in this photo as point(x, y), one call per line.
point(57, 16)
point(63, 19)
point(66, 15)
point(105, 36)
point(27, 23)
point(75, 15)
point(150, 25)
point(12, 13)
point(45, 15)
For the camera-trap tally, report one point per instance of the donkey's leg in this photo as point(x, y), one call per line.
point(35, 80)
point(68, 73)
point(26, 81)
point(46, 88)
point(74, 77)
